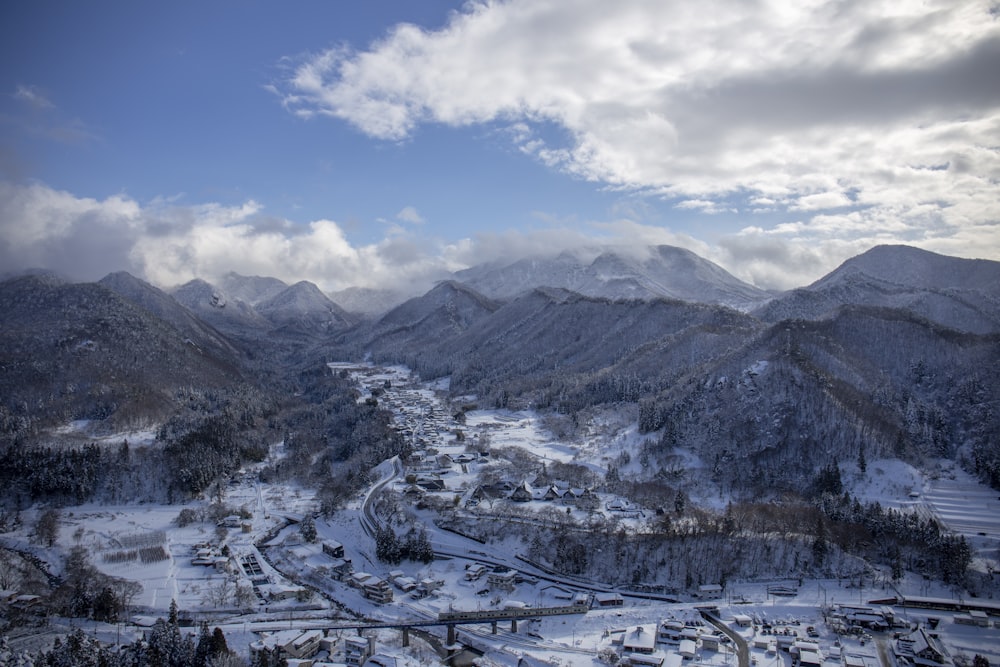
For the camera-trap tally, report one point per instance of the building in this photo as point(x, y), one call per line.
point(376, 589)
point(501, 579)
point(608, 600)
point(333, 549)
point(357, 650)
point(920, 648)
point(294, 644)
point(640, 639)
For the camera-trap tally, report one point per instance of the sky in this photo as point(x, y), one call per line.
point(385, 143)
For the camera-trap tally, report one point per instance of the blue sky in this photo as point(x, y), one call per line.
point(384, 143)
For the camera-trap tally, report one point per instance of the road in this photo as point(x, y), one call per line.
point(454, 547)
point(742, 650)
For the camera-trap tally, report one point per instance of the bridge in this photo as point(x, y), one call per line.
point(450, 619)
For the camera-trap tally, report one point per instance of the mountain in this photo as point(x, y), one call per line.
point(657, 272)
point(962, 294)
point(864, 382)
point(250, 289)
point(421, 324)
point(220, 310)
point(367, 301)
point(168, 309)
point(304, 307)
point(83, 352)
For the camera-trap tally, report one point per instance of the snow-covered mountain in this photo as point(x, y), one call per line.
point(87, 351)
point(962, 294)
point(167, 308)
point(250, 289)
point(656, 272)
point(304, 306)
point(368, 301)
point(218, 308)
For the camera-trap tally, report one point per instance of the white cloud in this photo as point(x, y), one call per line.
point(34, 96)
point(410, 215)
point(168, 243)
point(886, 108)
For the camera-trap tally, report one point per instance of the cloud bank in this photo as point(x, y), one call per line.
point(169, 244)
point(856, 120)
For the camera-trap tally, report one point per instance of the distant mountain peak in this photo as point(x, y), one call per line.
point(961, 294)
point(917, 268)
point(618, 273)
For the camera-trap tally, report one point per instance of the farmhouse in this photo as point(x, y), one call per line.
point(920, 648)
point(523, 493)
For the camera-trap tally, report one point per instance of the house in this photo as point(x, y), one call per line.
point(710, 590)
point(474, 572)
point(640, 639)
point(278, 592)
point(381, 660)
point(523, 493)
point(558, 592)
point(333, 549)
point(294, 644)
point(357, 650)
point(553, 493)
point(742, 620)
point(340, 568)
point(376, 589)
point(710, 642)
point(581, 599)
point(401, 581)
point(428, 586)
point(24, 601)
point(357, 579)
point(670, 630)
point(687, 648)
point(430, 483)
point(609, 599)
point(920, 648)
point(306, 645)
point(501, 578)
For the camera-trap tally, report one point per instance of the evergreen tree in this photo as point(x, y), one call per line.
point(820, 547)
point(308, 529)
point(387, 546)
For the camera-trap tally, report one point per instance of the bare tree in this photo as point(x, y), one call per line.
point(10, 573)
point(47, 527)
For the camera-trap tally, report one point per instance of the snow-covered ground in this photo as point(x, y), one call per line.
point(108, 532)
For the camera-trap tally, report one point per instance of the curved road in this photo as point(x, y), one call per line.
point(742, 650)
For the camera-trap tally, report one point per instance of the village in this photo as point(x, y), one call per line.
point(288, 585)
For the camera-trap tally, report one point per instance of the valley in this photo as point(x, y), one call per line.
point(258, 576)
point(598, 459)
